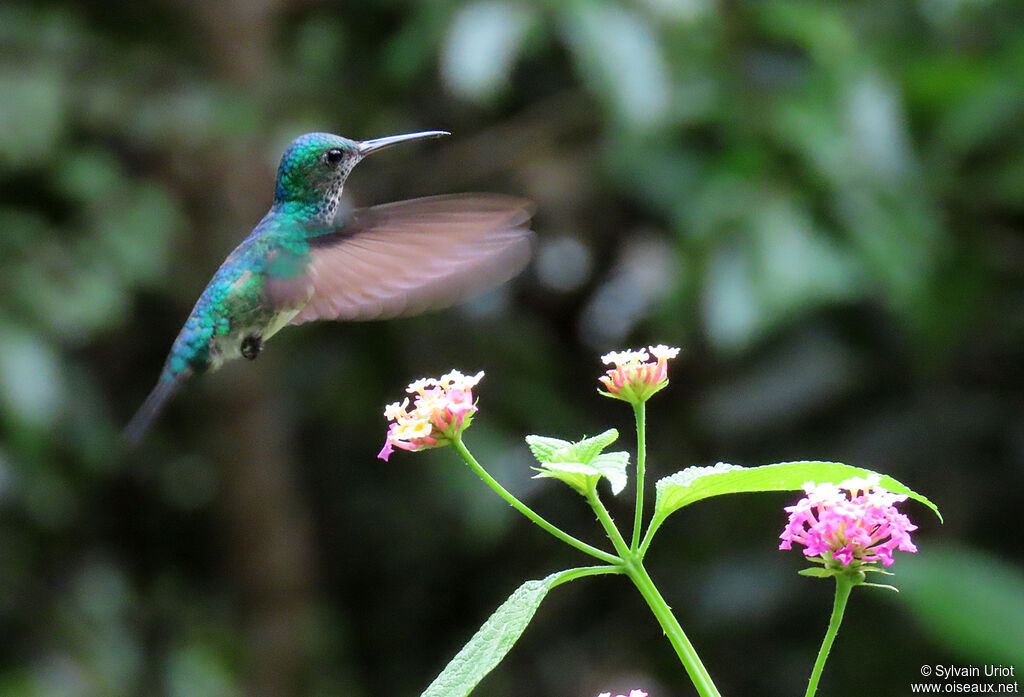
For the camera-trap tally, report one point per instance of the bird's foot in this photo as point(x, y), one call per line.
point(251, 347)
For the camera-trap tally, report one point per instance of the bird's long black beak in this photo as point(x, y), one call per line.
point(368, 146)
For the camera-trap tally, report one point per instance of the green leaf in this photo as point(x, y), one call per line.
point(32, 377)
point(588, 448)
point(679, 489)
point(33, 115)
point(612, 467)
point(582, 478)
point(886, 586)
point(493, 640)
point(582, 464)
point(816, 571)
point(697, 483)
point(619, 56)
point(969, 601)
point(483, 43)
point(545, 448)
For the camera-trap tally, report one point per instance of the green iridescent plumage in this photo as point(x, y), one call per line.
point(310, 258)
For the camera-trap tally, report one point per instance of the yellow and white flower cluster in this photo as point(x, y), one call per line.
point(441, 409)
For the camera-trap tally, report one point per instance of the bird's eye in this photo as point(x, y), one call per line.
point(333, 156)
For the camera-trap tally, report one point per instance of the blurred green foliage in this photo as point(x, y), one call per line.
point(823, 202)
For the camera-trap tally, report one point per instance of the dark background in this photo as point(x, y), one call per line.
point(821, 202)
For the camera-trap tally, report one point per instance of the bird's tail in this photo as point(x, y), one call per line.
point(136, 429)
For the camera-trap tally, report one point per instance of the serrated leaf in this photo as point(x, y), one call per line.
point(492, 641)
point(588, 448)
point(545, 448)
point(582, 478)
point(582, 464)
point(697, 483)
point(686, 486)
point(815, 571)
point(689, 475)
point(612, 467)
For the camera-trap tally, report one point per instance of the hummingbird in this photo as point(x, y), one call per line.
point(313, 257)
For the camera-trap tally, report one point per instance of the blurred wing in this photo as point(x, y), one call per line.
point(404, 258)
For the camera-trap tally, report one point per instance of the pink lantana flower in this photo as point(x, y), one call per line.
point(849, 524)
point(441, 409)
point(632, 693)
point(635, 378)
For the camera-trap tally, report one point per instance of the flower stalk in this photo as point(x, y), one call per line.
point(844, 584)
point(553, 530)
point(633, 567)
point(847, 529)
point(640, 412)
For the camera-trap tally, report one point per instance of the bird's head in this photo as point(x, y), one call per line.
point(314, 167)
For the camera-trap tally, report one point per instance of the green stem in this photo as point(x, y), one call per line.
point(632, 566)
point(608, 524)
point(843, 587)
point(684, 649)
point(648, 536)
point(640, 411)
point(628, 563)
point(565, 537)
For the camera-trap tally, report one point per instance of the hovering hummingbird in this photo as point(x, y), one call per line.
point(312, 257)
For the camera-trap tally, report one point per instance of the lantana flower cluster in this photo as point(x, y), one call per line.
point(635, 378)
point(854, 521)
point(441, 409)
